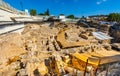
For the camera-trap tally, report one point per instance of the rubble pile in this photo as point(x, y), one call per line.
point(116, 46)
point(42, 50)
point(104, 28)
point(11, 47)
point(116, 34)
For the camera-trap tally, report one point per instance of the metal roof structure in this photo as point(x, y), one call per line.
point(101, 36)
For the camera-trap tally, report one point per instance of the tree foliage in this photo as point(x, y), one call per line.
point(114, 17)
point(41, 14)
point(61, 14)
point(47, 12)
point(99, 15)
point(33, 12)
point(71, 16)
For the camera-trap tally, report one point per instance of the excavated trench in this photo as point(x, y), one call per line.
point(37, 51)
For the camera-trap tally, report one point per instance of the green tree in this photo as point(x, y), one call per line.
point(41, 14)
point(71, 16)
point(61, 14)
point(82, 17)
point(114, 17)
point(33, 12)
point(47, 12)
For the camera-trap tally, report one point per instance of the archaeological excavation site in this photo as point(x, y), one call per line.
point(59, 38)
point(58, 49)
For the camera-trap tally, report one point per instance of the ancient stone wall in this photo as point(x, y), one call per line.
point(116, 35)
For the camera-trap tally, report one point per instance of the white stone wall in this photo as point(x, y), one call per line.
point(14, 28)
point(5, 16)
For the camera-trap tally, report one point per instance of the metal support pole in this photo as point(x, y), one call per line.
point(97, 67)
point(107, 70)
point(86, 68)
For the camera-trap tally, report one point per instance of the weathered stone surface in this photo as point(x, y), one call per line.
point(116, 35)
point(11, 45)
point(36, 69)
point(116, 46)
point(25, 54)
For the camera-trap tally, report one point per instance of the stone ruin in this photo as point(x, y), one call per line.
point(25, 54)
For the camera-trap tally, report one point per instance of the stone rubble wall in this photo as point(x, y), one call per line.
point(25, 53)
point(116, 35)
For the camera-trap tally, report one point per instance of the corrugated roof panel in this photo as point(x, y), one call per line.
point(101, 36)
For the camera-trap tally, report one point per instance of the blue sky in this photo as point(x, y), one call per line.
point(76, 7)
